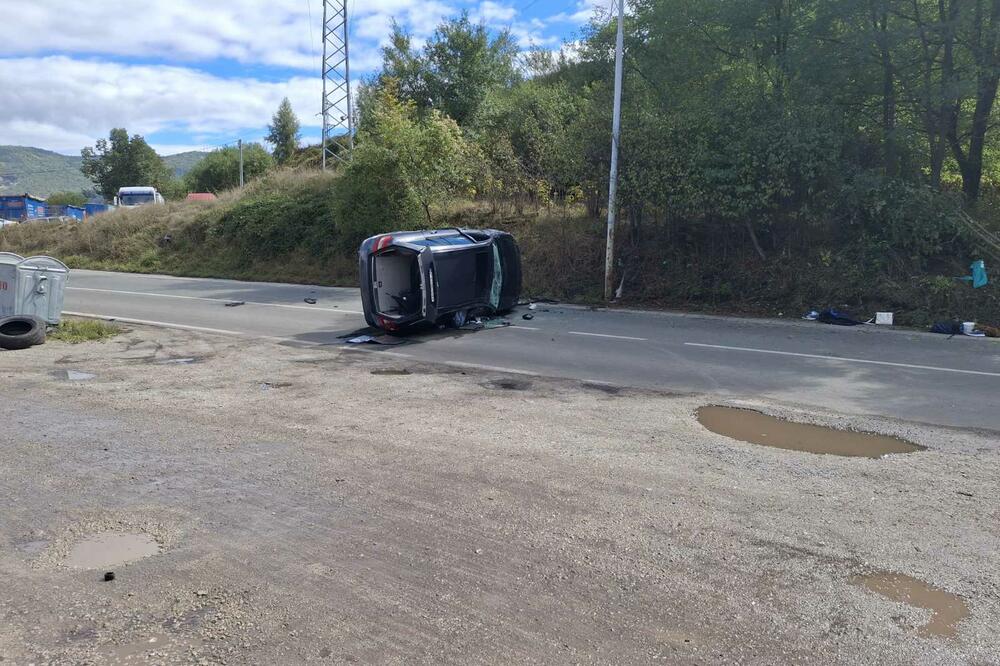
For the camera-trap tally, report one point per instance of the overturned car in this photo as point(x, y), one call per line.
point(443, 276)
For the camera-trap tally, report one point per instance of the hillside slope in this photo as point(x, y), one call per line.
point(304, 227)
point(42, 172)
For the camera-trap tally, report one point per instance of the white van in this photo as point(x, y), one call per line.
point(130, 197)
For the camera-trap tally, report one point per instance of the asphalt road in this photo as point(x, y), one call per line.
point(897, 374)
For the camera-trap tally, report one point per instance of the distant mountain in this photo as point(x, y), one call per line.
point(42, 172)
point(181, 163)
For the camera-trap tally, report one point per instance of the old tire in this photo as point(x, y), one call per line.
point(21, 332)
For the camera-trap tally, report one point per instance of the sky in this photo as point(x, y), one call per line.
point(200, 74)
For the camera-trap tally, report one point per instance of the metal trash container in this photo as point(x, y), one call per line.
point(33, 286)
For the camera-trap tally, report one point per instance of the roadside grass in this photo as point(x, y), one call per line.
point(75, 331)
point(290, 227)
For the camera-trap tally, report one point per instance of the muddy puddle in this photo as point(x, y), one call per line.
point(73, 375)
point(757, 428)
point(509, 384)
point(947, 609)
point(178, 361)
point(267, 386)
point(111, 548)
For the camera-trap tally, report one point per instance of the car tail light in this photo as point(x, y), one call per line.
point(382, 242)
point(387, 324)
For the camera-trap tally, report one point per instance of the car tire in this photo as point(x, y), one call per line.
point(21, 332)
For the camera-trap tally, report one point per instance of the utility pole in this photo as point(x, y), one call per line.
point(240, 143)
point(338, 116)
point(616, 126)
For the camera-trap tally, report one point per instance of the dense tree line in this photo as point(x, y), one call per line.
point(798, 121)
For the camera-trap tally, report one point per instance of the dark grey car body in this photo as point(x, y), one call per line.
point(413, 277)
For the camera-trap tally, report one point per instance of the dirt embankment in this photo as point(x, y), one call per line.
point(329, 506)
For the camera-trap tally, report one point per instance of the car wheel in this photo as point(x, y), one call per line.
point(21, 332)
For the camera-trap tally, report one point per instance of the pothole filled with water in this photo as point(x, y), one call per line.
point(509, 384)
point(73, 375)
point(110, 548)
point(178, 361)
point(757, 428)
point(947, 609)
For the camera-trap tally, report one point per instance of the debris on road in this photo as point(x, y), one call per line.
point(837, 318)
point(479, 323)
point(990, 331)
point(310, 300)
point(947, 328)
point(528, 316)
point(376, 339)
point(233, 304)
point(109, 576)
point(967, 328)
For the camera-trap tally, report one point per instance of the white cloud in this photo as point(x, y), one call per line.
point(585, 11)
point(68, 87)
point(81, 100)
point(280, 33)
point(494, 11)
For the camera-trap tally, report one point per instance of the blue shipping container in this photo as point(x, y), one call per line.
point(76, 212)
point(22, 207)
point(98, 208)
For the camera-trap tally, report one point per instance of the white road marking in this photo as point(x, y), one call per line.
point(845, 359)
point(217, 300)
point(146, 322)
point(518, 327)
point(605, 335)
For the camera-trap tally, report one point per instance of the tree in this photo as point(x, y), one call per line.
point(426, 154)
point(120, 161)
point(283, 132)
point(530, 123)
point(66, 199)
point(406, 67)
point(459, 65)
point(220, 169)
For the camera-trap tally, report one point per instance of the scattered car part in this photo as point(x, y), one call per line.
point(310, 301)
point(233, 304)
point(109, 576)
point(21, 332)
point(528, 316)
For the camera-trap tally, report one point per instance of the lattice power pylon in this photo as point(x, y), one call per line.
point(338, 118)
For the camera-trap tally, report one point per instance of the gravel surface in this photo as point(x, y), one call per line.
point(310, 510)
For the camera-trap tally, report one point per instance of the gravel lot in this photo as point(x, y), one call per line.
point(323, 505)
